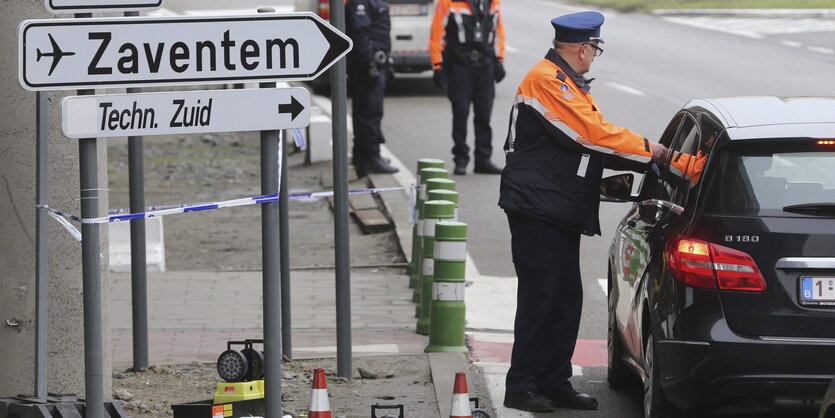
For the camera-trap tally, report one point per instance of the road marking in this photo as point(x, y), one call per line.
point(756, 28)
point(509, 48)
point(625, 88)
point(821, 49)
point(791, 43)
point(604, 284)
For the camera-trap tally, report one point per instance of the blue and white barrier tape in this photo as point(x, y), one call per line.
point(156, 211)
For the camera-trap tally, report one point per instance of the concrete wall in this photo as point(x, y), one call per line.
point(17, 231)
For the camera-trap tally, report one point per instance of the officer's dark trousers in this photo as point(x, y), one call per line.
point(548, 304)
point(366, 112)
point(471, 84)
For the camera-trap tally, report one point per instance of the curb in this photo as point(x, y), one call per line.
point(775, 13)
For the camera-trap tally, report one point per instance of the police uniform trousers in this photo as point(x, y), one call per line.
point(471, 84)
point(549, 302)
point(366, 111)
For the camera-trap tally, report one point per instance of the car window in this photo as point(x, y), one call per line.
point(762, 183)
point(677, 173)
point(651, 187)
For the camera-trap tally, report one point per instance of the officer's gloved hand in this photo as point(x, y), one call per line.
point(499, 72)
point(373, 72)
point(439, 78)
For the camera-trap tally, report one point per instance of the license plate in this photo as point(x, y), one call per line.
point(817, 291)
point(408, 9)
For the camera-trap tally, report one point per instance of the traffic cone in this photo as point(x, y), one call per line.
point(319, 405)
point(460, 398)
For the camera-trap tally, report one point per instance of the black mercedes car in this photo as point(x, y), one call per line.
point(722, 274)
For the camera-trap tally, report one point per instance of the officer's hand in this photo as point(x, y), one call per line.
point(660, 153)
point(439, 78)
point(373, 72)
point(499, 74)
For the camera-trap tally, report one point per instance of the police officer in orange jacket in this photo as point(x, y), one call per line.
point(367, 23)
point(466, 46)
point(556, 149)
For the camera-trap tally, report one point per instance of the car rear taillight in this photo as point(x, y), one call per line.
point(702, 264)
point(324, 9)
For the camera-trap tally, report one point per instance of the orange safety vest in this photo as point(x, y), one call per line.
point(557, 146)
point(455, 24)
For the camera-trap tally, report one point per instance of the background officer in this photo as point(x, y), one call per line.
point(367, 23)
point(557, 147)
point(467, 49)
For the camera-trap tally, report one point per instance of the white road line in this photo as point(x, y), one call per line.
point(604, 284)
point(821, 49)
point(791, 43)
point(511, 49)
point(625, 88)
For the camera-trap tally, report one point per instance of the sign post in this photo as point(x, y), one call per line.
point(60, 54)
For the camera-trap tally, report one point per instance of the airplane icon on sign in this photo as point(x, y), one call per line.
point(56, 54)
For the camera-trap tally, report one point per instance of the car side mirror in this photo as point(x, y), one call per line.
point(617, 188)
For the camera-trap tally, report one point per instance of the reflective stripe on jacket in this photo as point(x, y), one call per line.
point(557, 146)
point(455, 23)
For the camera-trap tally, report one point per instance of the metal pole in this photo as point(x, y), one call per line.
point(284, 248)
point(91, 283)
point(138, 261)
point(42, 267)
point(340, 202)
point(271, 275)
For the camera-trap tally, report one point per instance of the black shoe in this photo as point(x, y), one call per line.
point(530, 401)
point(487, 168)
point(460, 169)
point(378, 166)
point(571, 399)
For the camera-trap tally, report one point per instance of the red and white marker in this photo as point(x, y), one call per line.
point(319, 405)
point(460, 398)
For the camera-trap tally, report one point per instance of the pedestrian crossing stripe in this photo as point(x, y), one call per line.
point(755, 28)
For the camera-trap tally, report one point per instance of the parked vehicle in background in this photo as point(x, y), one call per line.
point(411, 21)
point(722, 274)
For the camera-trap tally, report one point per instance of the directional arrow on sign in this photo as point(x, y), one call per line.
point(293, 108)
point(132, 52)
point(185, 112)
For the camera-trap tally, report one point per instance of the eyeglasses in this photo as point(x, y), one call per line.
point(598, 51)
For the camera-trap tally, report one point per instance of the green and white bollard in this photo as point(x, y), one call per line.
point(432, 184)
point(434, 211)
point(421, 164)
point(417, 245)
point(448, 312)
point(443, 194)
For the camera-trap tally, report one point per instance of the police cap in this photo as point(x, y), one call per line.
point(578, 27)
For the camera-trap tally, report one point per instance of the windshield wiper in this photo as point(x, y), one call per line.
point(811, 208)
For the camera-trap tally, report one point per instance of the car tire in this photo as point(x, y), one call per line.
point(656, 404)
point(618, 374)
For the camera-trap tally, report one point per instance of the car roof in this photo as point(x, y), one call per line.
point(756, 117)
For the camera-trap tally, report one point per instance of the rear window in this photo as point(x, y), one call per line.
point(761, 180)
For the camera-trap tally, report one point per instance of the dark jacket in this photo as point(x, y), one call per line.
point(557, 146)
point(367, 23)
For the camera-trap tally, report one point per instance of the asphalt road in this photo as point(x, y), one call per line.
point(652, 67)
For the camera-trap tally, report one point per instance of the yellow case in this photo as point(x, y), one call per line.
point(238, 391)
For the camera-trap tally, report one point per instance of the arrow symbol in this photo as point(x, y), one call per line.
point(293, 108)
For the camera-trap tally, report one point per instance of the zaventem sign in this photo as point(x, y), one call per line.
point(57, 54)
point(185, 112)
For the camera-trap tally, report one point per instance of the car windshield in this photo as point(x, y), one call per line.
point(765, 181)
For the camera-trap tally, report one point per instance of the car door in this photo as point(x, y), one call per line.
point(644, 231)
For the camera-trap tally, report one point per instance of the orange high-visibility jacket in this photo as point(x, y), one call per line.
point(454, 26)
point(557, 146)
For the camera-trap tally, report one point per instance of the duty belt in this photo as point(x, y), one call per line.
point(467, 56)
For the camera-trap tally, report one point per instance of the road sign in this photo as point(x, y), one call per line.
point(61, 54)
point(184, 112)
point(88, 6)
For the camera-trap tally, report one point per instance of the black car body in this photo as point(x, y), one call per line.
point(722, 274)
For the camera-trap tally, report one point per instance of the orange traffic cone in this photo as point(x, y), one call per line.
point(460, 398)
point(319, 405)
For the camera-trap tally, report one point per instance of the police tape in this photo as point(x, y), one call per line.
point(158, 211)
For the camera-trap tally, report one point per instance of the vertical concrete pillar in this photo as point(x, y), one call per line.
point(65, 366)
